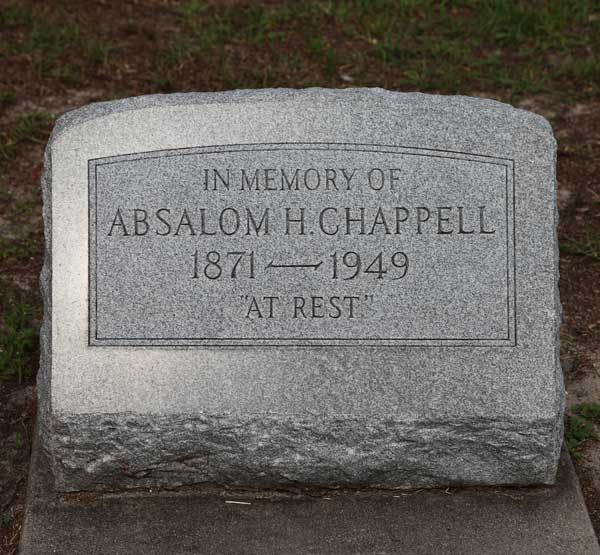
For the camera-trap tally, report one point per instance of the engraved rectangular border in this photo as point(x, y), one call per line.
point(186, 342)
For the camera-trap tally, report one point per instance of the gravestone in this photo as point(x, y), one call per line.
point(280, 288)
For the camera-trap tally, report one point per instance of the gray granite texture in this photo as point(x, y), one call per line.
point(403, 334)
point(546, 520)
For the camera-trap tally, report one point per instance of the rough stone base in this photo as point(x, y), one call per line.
point(108, 452)
point(477, 521)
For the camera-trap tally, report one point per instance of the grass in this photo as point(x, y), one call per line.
point(22, 249)
point(7, 98)
point(581, 426)
point(48, 43)
point(18, 338)
point(6, 520)
point(32, 127)
point(52, 43)
point(579, 430)
point(589, 411)
point(19, 241)
point(14, 13)
point(430, 45)
point(451, 46)
point(509, 47)
point(20, 206)
point(97, 52)
point(588, 246)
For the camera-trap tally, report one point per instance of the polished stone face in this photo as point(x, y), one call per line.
point(302, 244)
point(324, 287)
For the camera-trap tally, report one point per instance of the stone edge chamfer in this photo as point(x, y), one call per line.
point(78, 116)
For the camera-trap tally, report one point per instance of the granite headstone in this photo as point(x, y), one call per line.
point(280, 288)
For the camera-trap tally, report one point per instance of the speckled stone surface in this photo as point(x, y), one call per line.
point(431, 361)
